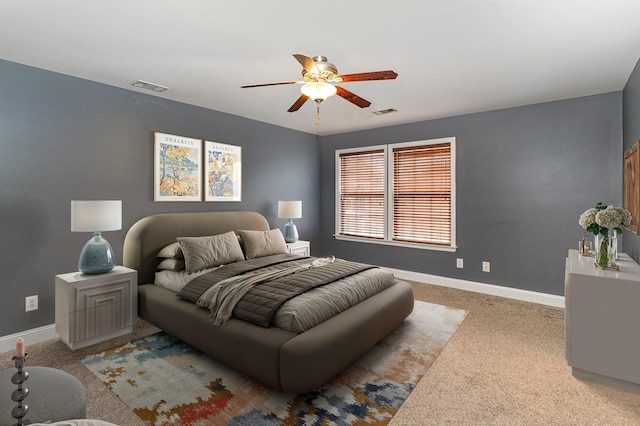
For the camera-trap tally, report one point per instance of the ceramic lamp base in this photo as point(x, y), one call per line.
point(97, 256)
point(290, 232)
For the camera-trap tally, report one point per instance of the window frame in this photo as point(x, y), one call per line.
point(388, 194)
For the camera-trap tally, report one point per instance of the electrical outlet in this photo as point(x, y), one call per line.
point(31, 303)
point(486, 266)
point(459, 263)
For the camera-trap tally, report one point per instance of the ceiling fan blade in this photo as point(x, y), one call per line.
point(352, 97)
point(307, 62)
point(269, 84)
point(298, 103)
point(368, 76)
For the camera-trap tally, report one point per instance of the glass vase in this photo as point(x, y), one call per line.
point(606, 249)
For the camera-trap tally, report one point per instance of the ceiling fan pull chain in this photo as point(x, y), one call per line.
point(318, 114)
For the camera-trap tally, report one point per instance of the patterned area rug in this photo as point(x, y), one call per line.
point(167, 382)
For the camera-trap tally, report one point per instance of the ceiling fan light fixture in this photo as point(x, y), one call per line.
point(318, 91)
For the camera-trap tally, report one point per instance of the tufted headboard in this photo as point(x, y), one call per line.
point(148, 235)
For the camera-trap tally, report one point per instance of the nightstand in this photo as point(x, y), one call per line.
point(302, 248)
point(94, 308)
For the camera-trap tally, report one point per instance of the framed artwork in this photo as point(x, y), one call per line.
point(223, 172)
point(177, 174)
point(632, 186)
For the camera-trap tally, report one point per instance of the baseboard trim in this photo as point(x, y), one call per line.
point(494, 290)
point(35, 335)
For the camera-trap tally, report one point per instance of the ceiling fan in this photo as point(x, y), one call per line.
point(320, 80)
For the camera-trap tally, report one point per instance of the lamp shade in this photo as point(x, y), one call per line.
point(290, 209)
point(96, 215)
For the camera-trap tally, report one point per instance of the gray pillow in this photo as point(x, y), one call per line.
point(262, 243)
point(207, 252)
point(172, 251)
point(172, 264)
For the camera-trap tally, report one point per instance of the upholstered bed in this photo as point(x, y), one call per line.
point(290, 361)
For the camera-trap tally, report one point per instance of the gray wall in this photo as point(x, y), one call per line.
point(631, 132)
point(524, 175)
point(63, 138)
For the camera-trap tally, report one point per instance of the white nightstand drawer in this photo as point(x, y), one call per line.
point(302, 248)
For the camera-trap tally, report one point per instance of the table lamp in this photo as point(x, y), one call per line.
point(290, 210)
point(96, 216)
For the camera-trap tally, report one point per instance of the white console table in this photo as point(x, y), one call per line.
point(602, 321)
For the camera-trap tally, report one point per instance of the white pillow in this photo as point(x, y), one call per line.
point(175, 280)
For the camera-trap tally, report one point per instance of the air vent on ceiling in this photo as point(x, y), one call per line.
point(149, 86)
point(385, 111)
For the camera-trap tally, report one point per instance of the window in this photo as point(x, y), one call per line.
point(402, 194)
point(362, 194)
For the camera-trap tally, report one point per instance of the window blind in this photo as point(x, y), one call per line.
point(422, 194)
point(362, 194)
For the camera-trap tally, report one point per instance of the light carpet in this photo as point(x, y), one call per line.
point(167, 382)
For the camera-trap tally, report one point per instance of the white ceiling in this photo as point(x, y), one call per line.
point(453, 56)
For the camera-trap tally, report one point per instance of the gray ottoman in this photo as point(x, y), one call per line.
point(53, 396)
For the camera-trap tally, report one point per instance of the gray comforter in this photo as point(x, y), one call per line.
point(289, 292)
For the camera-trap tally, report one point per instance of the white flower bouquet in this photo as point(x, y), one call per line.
point(600, 219)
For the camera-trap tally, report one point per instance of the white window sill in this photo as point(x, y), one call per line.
point(398, 244)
